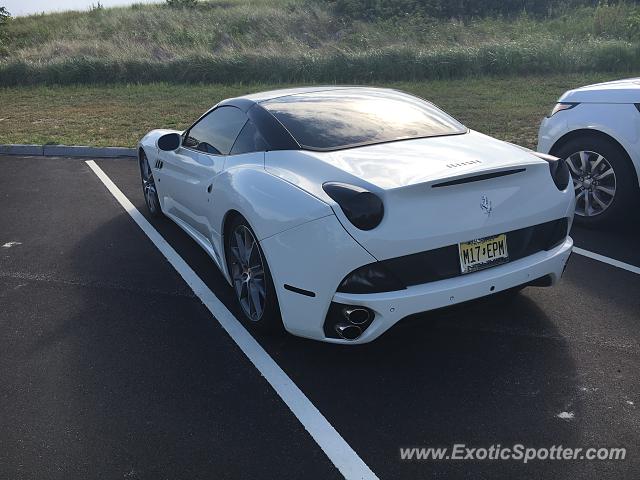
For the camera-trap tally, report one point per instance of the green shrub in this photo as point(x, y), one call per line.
point(633, 25)
point(371, 9)
point(182, 3)
point(608, 19)
point(371, 65)
point(5, 16)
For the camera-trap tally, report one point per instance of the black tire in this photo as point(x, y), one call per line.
point(269, 319)
point(149, 188)
point(625, 179)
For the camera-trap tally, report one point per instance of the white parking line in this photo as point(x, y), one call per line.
point(611, 261)
point(334, 446)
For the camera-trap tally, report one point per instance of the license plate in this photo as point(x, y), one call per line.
point(483, 253)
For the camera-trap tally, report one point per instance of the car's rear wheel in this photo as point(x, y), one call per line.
point(251, 277)
point(603, 177)
point(149, 187)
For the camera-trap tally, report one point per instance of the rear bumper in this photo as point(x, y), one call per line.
point(391, 307)
point(309, 261)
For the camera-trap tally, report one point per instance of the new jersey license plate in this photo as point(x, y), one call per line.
point(483, 253)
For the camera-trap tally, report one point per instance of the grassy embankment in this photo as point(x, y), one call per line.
point(508, 108)
point(497, 75)
point(274, 41)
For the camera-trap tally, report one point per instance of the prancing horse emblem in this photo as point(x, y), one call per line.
point(485, 205)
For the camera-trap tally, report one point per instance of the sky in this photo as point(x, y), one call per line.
point(27, 7)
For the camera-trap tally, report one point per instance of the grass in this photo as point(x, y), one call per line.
point(292, 41)
point(119, 115)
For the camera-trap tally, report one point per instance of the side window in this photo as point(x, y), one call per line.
point(216, 132)
point(249, 140)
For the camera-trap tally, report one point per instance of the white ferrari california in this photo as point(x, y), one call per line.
point(335, 212)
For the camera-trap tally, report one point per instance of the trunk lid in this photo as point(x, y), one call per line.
point(437, 191)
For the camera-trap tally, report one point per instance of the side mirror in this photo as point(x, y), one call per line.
point(169, 142)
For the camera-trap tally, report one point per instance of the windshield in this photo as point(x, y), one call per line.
point(347, 117)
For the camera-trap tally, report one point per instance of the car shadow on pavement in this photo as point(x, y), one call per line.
point(127, 375)
point(489, 372)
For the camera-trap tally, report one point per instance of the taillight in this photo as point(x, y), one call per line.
point(363, 208)
point(560, 173)
point(372, 278)
point(558, 168)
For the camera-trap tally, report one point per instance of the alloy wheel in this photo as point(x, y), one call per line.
point(148, 186)
point(248, 272)
point(594, 182)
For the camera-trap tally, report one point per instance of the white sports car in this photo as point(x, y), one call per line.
point(338, 211)
point(595, 129)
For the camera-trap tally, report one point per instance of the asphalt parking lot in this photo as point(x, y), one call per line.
point(111, 367)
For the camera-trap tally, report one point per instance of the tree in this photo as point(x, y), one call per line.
point(4, 15)
point(4, 18)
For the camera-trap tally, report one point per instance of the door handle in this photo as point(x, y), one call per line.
point(209, 188)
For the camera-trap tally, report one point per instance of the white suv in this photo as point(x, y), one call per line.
point(597, 130)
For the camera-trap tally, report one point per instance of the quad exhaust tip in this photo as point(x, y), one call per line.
point(356, 320)
point(347, 331)
point(357, 316)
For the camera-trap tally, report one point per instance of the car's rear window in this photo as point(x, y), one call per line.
point(342, 118)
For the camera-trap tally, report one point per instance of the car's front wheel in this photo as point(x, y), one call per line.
point(251, 277)
point(149, 187)
point(603, 177)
